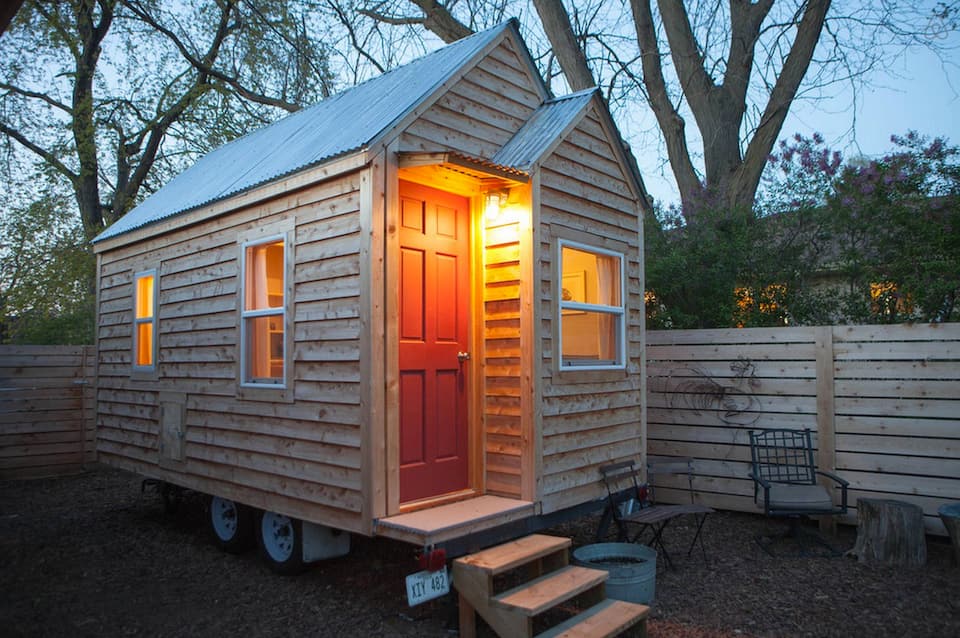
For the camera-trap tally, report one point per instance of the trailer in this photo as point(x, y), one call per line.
point(413, 310)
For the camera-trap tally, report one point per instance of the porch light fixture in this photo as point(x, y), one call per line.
point(496, 202)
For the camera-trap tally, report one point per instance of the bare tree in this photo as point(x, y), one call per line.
point(734, 67)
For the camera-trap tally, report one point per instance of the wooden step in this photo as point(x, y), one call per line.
point(543, 593)
point(503, 558)
point(604, 620)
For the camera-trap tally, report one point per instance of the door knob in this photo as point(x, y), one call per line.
point(463, 356)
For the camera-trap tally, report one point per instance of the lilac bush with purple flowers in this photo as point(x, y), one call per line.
point(828, 241)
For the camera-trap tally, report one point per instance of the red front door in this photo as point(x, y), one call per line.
point(433, 326)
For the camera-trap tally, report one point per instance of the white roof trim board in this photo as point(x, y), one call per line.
point(348, 123)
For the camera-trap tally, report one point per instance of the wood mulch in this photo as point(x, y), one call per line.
point(90, 555)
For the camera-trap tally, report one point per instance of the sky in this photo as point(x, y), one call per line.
point(918, 93)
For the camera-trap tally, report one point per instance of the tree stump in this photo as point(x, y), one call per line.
point(950, 515)
point(890, 533)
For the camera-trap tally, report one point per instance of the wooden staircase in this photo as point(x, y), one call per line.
point(512, 584)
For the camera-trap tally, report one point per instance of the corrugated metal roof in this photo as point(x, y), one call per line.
point(541, 130)
point(339, 125)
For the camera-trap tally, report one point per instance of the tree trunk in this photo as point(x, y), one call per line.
point(890, 533)
point(556, 24)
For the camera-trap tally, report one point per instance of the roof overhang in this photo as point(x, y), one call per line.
point(458, 173)
point(302, 179)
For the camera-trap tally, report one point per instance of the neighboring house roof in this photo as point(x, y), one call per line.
point(541, 131)
point(342, 124)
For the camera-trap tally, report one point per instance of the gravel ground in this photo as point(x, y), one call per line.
point(91, 556)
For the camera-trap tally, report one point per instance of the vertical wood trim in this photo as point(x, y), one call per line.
point(531, 386)
point(391, 305)
point(372, 436)
point(643, 343)
point(533, 484)
point(476, 420)
point(96, 351)
point(86, 378)
point(826, 422)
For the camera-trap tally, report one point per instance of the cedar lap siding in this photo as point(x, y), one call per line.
point(323, 445)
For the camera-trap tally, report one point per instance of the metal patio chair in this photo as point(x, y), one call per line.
point(631, 505)
point(784, 473)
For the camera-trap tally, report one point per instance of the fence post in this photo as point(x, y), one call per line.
point(88, 411)
point(826, 414)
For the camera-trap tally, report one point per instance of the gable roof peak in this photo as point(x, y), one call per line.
point(340, 125)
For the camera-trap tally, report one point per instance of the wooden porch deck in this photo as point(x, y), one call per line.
point(446, 522)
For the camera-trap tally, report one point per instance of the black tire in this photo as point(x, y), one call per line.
point(231, 524)
point(281, 543)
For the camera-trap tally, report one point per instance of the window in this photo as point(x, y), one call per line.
point(263, 315)
point(591, 307)
point(888, 303)
point(145, 320)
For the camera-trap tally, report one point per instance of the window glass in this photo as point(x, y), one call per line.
point(144, 319)
point(591, 308)
point(263, 313)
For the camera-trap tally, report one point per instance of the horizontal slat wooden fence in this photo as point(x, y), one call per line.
point(46, 410)
point(883, 402)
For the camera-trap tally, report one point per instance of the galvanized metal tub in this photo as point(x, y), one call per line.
point(632, 569)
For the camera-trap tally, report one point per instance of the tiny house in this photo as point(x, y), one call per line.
point(412, 310)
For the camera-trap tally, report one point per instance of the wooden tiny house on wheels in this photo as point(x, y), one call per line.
point(413, 310)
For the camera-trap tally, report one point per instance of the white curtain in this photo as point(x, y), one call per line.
point(608, 293)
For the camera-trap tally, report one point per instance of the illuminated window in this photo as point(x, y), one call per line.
point(263, 356)
point(888, 302)
point(144, 320)
point(591, 307)
point(768, 302)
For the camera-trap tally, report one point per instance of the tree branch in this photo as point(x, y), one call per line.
point(44, 154)
point(669, 120)
point(441, 22)
point(54, 21)
point(353, 36)
point(205, 65)
point(39, 96)
point(697, 85)
point(745, 21)
point(556, 24)
point(164, 119)
point(785, 89)
point(398, 21)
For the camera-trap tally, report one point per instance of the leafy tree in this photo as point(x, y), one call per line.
point(115, 95)
point(879, 237)
point(899, 218)
point(693, 269)
point(107, 99)
point(862, 242)
point(45, 271)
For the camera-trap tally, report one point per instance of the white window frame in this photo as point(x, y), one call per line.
point(620, 312)
point(137, 322)
point(266, 312)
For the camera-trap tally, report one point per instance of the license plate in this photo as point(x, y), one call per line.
point(424, 586)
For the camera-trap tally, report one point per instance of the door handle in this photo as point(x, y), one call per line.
point(463, 356)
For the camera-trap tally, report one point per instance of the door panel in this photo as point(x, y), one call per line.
point(413, 416)
point(434, 314)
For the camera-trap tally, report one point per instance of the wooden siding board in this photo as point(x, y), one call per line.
point(894, 426)
point(197, 335)
point(586, 424)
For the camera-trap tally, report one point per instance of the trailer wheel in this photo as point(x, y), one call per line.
point(231, 524)
point(281, 542)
